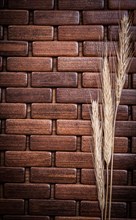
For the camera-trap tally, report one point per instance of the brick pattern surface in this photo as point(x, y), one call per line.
point(50, 67)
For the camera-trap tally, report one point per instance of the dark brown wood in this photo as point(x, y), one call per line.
point(11, 206)
point(53, 142)
point(56, 17)
point(13, 17)
point(13, 48)
point(26, 191)
point(12, 79)
point(12, 110)
point(54, 79)
point(53, 175)
point(31, 32)
point(80, 33)
point(54, 111)
point(12, 142)
point(8, 174)
point(81, 5)
point(28, 95)
point(29, 64)
point(28, 126)
point(103, 17)
point(31, 4)
point(27, 158)
point(52, 207)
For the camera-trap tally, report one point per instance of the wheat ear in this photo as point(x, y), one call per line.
point(108, 115)
point(123, 57)
point(98, 157)
point(108, 111)
point(123, 61)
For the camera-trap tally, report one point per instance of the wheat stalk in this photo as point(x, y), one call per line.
point(98, 158)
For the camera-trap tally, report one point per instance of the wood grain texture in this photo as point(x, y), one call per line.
point(53, 175)
point(53, 142)
point(80, 95)
point(103, 17)
point(81, 5)
point(30, 33)
point(28, 126)
point(77, 192)
point(79, 64)
point(55, 48)
point(92, 209)
point(74, 127)
point(54, 79)
point(88, 177)
point(74, 160)
point(93, 80)
point(54, 111)
point(121, 144)
point(13, 17)
point(11, 206)
point(9, 174)
point(12, 110)
point(122, 114)
point(94, 48)
point(113, 32)
point(56, 17)
point(26, 191)
point(80, 33)
point(13, 79)
point(12, 142)
point(13, 48)
point(27, 159)
point(31, 4)
point(29, 64)
point(28, 95)
point(126, 4)
point(52, 207)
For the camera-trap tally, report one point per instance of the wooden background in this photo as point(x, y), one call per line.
point(50, 61)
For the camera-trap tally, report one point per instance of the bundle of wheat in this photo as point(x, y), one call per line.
point(103, 125)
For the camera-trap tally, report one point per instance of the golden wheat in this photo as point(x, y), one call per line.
point(104, 126)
